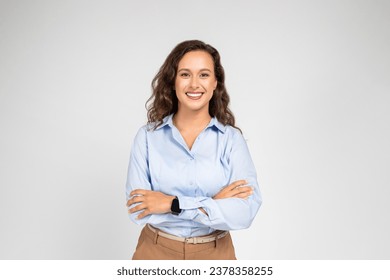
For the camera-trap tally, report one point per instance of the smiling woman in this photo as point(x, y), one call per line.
point(195, 81)
point(190, 178)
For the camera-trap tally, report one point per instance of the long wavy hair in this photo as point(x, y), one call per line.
point(164, 102)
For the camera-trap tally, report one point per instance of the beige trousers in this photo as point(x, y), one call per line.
point(151, 246)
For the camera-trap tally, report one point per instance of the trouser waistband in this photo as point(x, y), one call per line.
point(191, 240)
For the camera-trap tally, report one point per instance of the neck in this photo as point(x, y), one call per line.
point(191, 120)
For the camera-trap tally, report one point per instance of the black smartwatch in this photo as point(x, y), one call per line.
point(175, 207)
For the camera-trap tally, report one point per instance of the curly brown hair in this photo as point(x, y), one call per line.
point(163, 101)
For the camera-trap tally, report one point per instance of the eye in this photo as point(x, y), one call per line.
point(204, 75)
point(184, 75)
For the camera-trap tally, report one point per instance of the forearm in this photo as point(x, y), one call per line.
point(223, 214)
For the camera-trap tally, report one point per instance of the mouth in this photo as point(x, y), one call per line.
point(194, 95)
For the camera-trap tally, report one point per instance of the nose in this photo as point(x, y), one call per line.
point(194, 83)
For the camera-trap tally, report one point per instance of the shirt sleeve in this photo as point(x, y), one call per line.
point(228, 213)
point(138, 177)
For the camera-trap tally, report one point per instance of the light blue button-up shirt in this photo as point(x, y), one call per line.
point(160, 160)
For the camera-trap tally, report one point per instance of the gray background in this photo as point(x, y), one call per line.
point(309, 83)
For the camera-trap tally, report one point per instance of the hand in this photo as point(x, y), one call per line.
point(236, 189)
point(150, 202)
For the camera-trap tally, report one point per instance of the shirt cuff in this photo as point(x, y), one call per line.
point(187, 202)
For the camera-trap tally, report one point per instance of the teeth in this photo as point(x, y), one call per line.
point(193, 94)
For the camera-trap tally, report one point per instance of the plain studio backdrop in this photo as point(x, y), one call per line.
point(309, 83)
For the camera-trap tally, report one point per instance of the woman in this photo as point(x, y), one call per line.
point(190, 178)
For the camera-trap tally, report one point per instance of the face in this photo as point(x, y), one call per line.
point(195, 81)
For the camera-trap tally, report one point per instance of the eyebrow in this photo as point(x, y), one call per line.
point(186, 69)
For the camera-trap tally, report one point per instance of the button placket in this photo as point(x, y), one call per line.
point(191, 179)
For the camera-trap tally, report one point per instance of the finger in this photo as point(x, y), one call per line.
point(238, 183)
point(243, 195)
point(244, 189)
point(142, 215)
point(130, 202)
point(138, 192)
point(137, 208)
point(240, 190)
point(135, 199)
point(233, 186)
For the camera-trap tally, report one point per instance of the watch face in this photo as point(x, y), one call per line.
point(175, 208)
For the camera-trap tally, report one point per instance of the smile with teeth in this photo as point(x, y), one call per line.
point(194, 95)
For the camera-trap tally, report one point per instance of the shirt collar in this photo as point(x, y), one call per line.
point(213, 123)
point(166, 121)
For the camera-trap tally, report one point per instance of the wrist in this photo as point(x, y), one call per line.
point(168, 203)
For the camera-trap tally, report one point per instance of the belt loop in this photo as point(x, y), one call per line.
point(216, 239)
point(155, 236)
